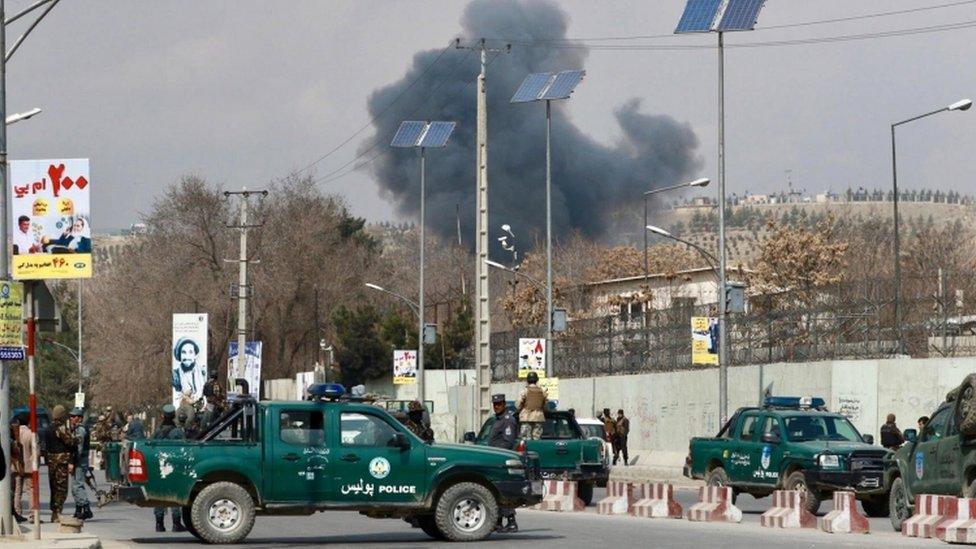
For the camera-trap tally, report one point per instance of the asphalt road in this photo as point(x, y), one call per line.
point(123, 525)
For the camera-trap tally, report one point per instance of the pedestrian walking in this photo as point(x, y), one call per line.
point(531, 405)
point(79, 467)
point(891, 437)
point(622, 429)
point(22, 468)
point(168, 429)
point(503, 435)
point(61, 448)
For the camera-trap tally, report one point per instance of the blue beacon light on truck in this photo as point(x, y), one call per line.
point(793, 402)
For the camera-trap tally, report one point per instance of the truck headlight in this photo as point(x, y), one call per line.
point(515, 467)
point(828, 461)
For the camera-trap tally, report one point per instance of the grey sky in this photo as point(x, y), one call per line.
point(242, 91)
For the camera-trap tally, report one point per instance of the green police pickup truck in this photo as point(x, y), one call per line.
point(795, 444)
point(563, 452)
point(299, 457)
point(939, 460)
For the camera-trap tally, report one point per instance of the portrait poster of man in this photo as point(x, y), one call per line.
point(404, 367)
point(251, 372)
point(189, 358)
point(532, 357)
point(50, 219)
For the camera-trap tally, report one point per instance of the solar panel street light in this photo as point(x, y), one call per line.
point(548, 87)
point(422, 135)
point(721, 16)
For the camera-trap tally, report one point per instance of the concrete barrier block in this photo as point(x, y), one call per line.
point(929, 512)
point(788, 511)
point(560, 495)
point(714, 505)
point(845, 518)
point(620, 499)
point(656, 500)
point(962, 528)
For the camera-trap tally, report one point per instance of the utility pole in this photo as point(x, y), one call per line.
point(236, 371)
point(482, 302)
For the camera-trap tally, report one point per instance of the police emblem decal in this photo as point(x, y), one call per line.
point(767, 454)
point(379, 467)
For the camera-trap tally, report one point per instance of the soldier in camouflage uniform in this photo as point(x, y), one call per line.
point(216, 399)
point(61, 448)
point(416, 424)
point(168, 429)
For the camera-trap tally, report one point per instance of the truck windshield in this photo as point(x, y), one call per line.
point(807, 428)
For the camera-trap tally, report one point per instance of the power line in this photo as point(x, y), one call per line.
point(329, 176)
point(382, 112)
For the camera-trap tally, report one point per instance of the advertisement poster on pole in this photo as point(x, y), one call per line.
point(303, 380)
point(404, 367)
point(50, 213)
point(189, 357)
point(704, 340)
point(532, 357)
point(251, 372)
point(11, 321)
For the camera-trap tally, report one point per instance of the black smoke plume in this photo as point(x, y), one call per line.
point(590, 180)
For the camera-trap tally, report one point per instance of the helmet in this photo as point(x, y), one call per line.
point(532, 377)
point(169, 410)
point(76, 412)
point(415, 406)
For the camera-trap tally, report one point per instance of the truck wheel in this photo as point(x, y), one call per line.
point(898, 505)
point(187, 523)
point(466, 512)
point(584, 490)
point(797, 481)
point(223, 512)
point(875, 507)
point(717, 477)
point(429, 526)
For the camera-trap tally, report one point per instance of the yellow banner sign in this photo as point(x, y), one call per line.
point(704, 340)
point(43, 266)
point(551, 386)
point(11, 315)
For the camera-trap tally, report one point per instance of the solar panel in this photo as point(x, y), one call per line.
point(531, 87)
point(408, 133)
point(740, 15)
point(699, 15)
point(437, 134)
point(563, 85)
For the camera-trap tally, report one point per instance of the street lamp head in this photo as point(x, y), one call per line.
point(703, 182)
point(659, 230)
point(961, 105)
point(375, 287)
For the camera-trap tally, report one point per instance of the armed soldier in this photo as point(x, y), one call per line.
point(61, 449)
point(79, 466)
point(216, 399)
point(416, 424)
point(168, 429)
point(502, 435)
point(531, 405)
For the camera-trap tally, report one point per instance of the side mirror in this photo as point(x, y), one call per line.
point(868, 439)
point(400, 441)
point(470, 437)
point(770, 438)
point(911, 435)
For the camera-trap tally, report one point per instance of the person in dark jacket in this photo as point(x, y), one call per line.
point(134, 429)
point(503, 435)
point(80, 464)
point(168, 429)
point(891, 437)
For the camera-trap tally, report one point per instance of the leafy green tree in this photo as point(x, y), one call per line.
point(360, 351)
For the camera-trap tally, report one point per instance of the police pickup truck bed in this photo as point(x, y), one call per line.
point(299, 457)
point(563, 452)
point(787, 445)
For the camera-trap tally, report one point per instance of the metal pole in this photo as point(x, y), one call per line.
point(723, 359)
point(6, 516)
point(897, 242)
point(241, 298)
point(32, 403)
point(80, 373)
point(420, 302)
point(482, 302)
point(549, 346)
